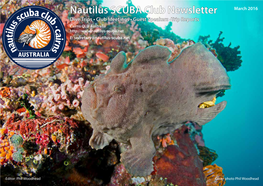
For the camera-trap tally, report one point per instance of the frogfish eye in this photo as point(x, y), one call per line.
point(66, 163)
point(119, 89)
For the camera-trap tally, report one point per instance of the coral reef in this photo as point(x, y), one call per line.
point(43, 133)
point(39, 140)
point(25, 103)
point(180, 163)
point(214, 175)
point(207, 155)
point(6, 148)
point(176, 49)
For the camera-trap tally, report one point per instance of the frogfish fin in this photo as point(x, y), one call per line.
point(118, 63)
point(138, 159)
point(99, 140)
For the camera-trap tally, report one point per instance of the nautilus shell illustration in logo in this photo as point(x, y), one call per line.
point(37, 35)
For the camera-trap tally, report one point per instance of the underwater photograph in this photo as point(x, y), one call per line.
point(131, 92)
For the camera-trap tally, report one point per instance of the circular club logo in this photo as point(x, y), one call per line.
point(34, 37)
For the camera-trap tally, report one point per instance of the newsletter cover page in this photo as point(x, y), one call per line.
point(120, 93)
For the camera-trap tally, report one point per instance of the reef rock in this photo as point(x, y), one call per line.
point(148, 97)
point(180, 163)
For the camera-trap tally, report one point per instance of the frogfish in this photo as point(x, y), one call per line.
point(150, 96)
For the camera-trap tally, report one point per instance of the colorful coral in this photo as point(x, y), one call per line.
point(43, 131)
point(6, 151)
point(16, 140)
point(180, 163)
point(38, 140)
point(10, 146)
point(166, 140)
point(214, 175)
point(176, 49)
point(25, 103)
point(63, 98)
point(207, 155)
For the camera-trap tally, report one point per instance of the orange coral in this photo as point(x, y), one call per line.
point(21, 110)
point(2, 131)
point(54, 138)
point(214, 175)
point(45, 151)
point(166, 140)
point(5, 92)
point(6, 149)
point(64, 17)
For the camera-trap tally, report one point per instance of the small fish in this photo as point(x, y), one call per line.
point(80, 52)
point(67, 48)
point(83, 43)
point(72, 24)
point(67, 60)
point(77, 51)
point(98, 41)
point(102, 56)
point(61, 66)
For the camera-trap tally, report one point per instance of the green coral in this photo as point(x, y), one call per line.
point(20, 150)
point(17, 156)
point(16, 140)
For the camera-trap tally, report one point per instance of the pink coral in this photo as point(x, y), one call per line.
point(61, 97)
point(1, 28)
point(75, 103)
point(120, 176)
point(199, 140)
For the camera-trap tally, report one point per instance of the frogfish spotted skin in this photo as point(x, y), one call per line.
point(149, 96)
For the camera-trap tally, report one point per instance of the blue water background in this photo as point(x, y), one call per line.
point(236, 133)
